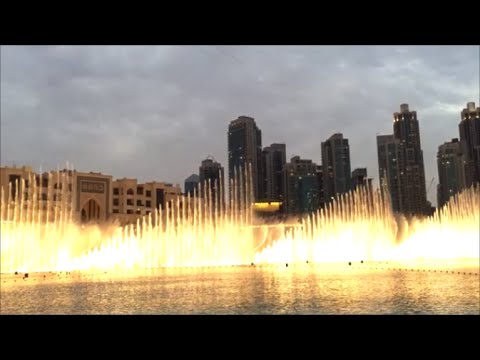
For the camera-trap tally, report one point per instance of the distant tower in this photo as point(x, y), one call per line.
point(360, 178)
point(336, 166)
point(406, 129)
point(470, 141)
point(212, 171)
point(321, 195)
point(390, 155)
point(245, 147)
point(274, 159)
point(450, 171)
point(301, 186)
point(191, 184)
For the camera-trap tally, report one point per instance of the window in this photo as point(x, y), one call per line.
point(130, 192)
point(139, 203)
point(115, 211)
point(69, 187)
point(148, 212)
point(44, 182)
point(148, 193)
point(27, 184)
point(140, 190)
point(139, 211)
point(115, 202)
point(44, 197)
point(58, 186)
point(115, 191)
point(130, 202)
point(129, 211)
point(148, 203)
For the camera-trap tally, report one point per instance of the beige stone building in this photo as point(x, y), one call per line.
point(132, 200)
point(94, 196)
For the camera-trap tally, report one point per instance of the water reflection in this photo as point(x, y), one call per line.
point(247, 290)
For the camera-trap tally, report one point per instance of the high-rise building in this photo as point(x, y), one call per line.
point(450, 171)
point(211, 171)
point(274, 159)
point(360, 178)
point(301, 186)
point(390, 155)
point(336, 166)
point(321, 195)
point(191, 184)
point(413, 199)
point(245, 147)
point(470, 141)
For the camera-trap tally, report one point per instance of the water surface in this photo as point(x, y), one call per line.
point(307, 289)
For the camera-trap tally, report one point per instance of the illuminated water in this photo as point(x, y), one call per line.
point(180, 260)
point(302, 289)
point(207, 232)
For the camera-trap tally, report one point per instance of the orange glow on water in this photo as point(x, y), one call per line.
point(206, 232)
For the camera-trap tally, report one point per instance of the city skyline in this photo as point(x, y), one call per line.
point(156, 112)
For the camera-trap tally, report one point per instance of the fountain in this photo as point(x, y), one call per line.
point(204, 230)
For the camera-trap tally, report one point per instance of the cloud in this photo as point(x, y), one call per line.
point(154, 112)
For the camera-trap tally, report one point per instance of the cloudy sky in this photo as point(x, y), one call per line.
point(155, 112)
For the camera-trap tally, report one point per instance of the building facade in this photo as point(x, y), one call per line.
point(359, 177)
point(211, 172)
point(301, 186)
point(470, 142)
point(413, 199)
point(390, 155)
point(191, 184)
point(274, 159)
point(92, 197)
point(90, 194)
point(451, 173)
point(321, 194)
point(336, 166)
point(245, 147)
point(132, 200)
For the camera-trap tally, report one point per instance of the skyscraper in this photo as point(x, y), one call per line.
point(321, 195)
point(450, 171)
point(470, 141)
point(245, 147)
point(413, 199)
point(301, 186)
point(274, 159)
point(336, 166)
point(390, 155)
point(360, 178)
point(211, 170)
point(191, 184)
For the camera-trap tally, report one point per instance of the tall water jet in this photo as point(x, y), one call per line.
point(39, 231)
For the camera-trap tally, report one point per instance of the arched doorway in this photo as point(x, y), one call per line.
point(90, 211)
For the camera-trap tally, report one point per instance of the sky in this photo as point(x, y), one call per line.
point(155, 112)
